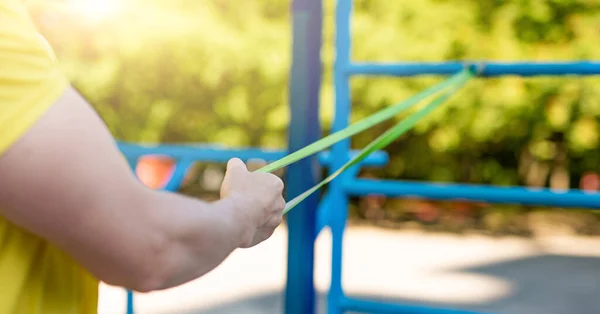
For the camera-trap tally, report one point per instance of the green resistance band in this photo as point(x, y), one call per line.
point(364, 124)
point(452, 85)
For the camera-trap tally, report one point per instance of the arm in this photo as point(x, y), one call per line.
point(66, 181)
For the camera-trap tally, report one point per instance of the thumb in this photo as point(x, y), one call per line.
point(235, 165)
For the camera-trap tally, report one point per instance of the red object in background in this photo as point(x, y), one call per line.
point(462, 207)
point(155, 171)
point(427, 212)
point(375, 200)
point(590, 182)
point(465, 207)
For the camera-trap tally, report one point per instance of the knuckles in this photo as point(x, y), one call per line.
point(280, 205)
point(271, 181)
point(275, 221)
point(278, 185)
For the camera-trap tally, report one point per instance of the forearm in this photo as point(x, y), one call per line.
point(197, 237)
point(88, 203)
point(166, 240)
point(146, 240)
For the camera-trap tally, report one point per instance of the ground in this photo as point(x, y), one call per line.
point(549, 275)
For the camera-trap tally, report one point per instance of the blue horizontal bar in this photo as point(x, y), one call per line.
point(368, 306)
point(182, 168)
point(220, 154)
point(490, 69)
point(378, 158)
point(197, 152)
point(478, 193)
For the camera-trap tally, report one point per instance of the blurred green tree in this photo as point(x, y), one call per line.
point(217, 72)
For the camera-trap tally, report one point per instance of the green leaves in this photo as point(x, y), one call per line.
point(217, 71)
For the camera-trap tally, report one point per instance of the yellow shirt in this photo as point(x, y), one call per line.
point(35, 276)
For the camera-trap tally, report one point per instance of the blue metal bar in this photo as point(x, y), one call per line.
point(130, 307)
point(340, 151)
point(130, 302)
point(198, 152)
point(324, 213)
point(305, 84)
point(491, 68)
point(132, 161)
point(335, 204)
point(378, 158)
point(368, 306)
point(222, 155)
point(181, 169)
point(479, 193)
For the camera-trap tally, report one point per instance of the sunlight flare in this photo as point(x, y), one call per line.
point(96, 10)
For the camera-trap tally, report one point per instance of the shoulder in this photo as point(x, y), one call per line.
point(30, 80)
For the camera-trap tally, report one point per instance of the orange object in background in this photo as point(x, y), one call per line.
point(155, 171)
point(590, 182)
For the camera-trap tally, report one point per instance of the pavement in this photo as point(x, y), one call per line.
point(551, 274)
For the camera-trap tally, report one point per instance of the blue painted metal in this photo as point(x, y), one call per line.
point(324, 212)
point(379, 158)
point(132, 161)
point(130, 304)
point(335, 214)
point(479, 193)
point(219, 154)
point(369, 306)
point(174, 183)
point(305, 85)
point(336, 191)
point(491, 68)
point(181, 169)
point(198, 152)
point(304, 224)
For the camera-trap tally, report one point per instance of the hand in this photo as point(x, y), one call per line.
point(258, 200)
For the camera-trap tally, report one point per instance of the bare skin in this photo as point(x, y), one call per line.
point(66, 181)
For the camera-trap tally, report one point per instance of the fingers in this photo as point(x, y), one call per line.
point(271, 181)
point(276, 216)
point(235, 165)
point(274, 222)
point(280, 206)
point(267, 233)
point(277, 184)
point(263, 192)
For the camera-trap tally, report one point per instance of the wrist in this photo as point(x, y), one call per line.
point(240, 225)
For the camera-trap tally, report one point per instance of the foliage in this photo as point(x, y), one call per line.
point(217, 72)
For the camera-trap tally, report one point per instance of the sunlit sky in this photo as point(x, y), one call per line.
point(95, 10)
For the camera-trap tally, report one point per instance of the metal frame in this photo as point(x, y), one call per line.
point(346, 185)
point(186, 155)
point(305, 84)
point(306, 221)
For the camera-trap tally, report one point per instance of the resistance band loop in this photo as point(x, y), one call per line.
point(385, 139)
point(366, 123)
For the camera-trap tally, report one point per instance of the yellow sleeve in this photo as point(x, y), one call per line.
point(30, 80)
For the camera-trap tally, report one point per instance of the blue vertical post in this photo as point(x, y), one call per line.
point(304, 129)
point(339, 151)
point(132, 161)
point(130, 309)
